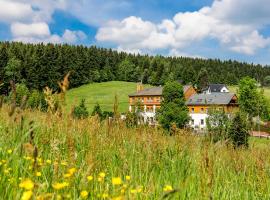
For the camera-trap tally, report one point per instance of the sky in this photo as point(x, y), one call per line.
point(224, 29)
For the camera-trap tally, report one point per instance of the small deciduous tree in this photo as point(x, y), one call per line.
point(173, 110)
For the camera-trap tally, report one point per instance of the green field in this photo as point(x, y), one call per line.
point(102, 93)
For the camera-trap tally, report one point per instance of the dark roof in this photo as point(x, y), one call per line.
point(216, 87)
point(154, 91)
point(210, 99)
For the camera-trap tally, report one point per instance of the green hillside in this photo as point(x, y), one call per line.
point(103, 93)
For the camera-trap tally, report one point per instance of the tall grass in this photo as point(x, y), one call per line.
point(48, 149)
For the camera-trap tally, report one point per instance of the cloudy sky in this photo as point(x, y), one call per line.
point(226, 29)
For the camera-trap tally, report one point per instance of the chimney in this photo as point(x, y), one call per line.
point(139, 87)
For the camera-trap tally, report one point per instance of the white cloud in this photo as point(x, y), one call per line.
point(73, 36)
point(12, 11)
point(215, 22)
point(40, 32)
point(34, 30)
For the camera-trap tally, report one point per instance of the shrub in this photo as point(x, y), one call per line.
point(217, 125)
point(239, 131)
point(97, 111)
point(80, 112)
point(21, 91)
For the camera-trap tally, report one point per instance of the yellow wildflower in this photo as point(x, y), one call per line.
point(102, 174)
point(48, 161)
point(27, 184)
point(122, 191)
point(27, 195)
point(9, 151)
point(84, 194)
point(38, 174)
point(59, 186)
point(133, 191)
point(116, 181)
point(105, 195)
point(128, 178)
point(139, 189)
point(90, 178)
point(67, 175)
point(72, 170)
point(167, 188)
point(100, 179)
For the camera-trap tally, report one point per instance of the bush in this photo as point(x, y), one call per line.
point(21, 91)
point(97, 111)
point(239, 131)
point(80, 112)
point(217, 125)
point(36, 100)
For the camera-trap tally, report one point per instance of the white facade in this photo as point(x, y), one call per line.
point(224, 89)
point(198, 121)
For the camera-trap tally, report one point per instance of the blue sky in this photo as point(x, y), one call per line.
point(194, 28)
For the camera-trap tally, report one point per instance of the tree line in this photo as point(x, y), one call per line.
point(41, 65)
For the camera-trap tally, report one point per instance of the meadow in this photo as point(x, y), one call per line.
point(44, 156)
point(102, 93)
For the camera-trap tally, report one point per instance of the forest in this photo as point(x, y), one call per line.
point(41, 65)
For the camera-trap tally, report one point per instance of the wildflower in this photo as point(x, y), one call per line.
point(116, 181)
point(100, 179)
point(167, 188)
point(102, 174)
point(128, 178)
point(90, 178)
point(67, 175)
point(139, 189)
point(105, 195)
point(9, 151)
point(59, 186)
point(27, 184)
point(72, 171)
point(38, 174)
point(122, 191)
point(84, 194)
point(133, 191)
point(49, 162)
point(27, 195)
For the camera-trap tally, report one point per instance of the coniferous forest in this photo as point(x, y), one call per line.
point(40, 65)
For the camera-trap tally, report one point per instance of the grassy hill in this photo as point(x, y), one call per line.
point(103, 93)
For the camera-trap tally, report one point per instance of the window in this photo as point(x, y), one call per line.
point(202, 121)
point(202, 110)
point(192, 110)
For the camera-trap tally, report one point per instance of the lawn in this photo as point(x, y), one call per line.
point(102, 93)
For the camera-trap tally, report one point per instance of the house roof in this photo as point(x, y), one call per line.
point(216, 87)
point(215, 98)
point(155, 91)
